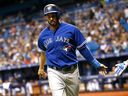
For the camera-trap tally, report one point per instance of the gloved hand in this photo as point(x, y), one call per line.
point(120, 67)
point(102, 70)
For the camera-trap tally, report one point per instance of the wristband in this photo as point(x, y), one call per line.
point(95, 63)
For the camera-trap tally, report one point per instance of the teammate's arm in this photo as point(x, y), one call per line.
point(120, 68)
point(42, 60)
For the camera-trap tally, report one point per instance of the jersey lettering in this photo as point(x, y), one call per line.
point(57, 39)
point(62, 39)
point(47, 42)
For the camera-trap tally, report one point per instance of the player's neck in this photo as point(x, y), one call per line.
point(53, 28)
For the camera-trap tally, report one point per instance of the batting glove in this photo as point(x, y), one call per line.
point(120, 68)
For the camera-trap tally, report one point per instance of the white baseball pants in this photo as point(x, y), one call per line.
point(63, 84)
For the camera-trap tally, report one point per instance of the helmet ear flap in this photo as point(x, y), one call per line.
point(58, 15)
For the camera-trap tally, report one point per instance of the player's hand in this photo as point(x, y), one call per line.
point(42, 73)
point(102, 70)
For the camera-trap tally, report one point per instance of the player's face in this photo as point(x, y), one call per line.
point(52, 19)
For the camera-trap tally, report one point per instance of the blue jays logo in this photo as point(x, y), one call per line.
point(67, 48)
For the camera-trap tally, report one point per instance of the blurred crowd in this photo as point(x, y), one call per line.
point(18, 41)
point(105, 28)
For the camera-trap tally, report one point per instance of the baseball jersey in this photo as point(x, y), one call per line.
point(60, 45)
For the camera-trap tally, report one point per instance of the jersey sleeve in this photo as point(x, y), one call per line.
point(79, 38)
point(41, 46)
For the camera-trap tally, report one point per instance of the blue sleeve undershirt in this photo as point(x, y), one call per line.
point(89, 57)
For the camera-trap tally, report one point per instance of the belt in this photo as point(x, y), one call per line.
point(69, 69)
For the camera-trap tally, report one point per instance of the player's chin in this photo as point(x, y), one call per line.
point(53, 23)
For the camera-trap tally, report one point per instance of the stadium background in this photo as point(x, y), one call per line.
point(104, 24)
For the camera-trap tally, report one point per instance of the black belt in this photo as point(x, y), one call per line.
point(65, 69)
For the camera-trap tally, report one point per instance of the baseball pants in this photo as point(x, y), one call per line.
point(63, 84)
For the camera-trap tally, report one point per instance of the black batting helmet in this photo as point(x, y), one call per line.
point(51, 8)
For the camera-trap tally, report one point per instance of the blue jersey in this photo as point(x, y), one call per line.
point(60, 46)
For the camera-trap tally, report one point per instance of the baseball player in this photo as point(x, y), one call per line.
point(58, 43)
point(120, 68)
